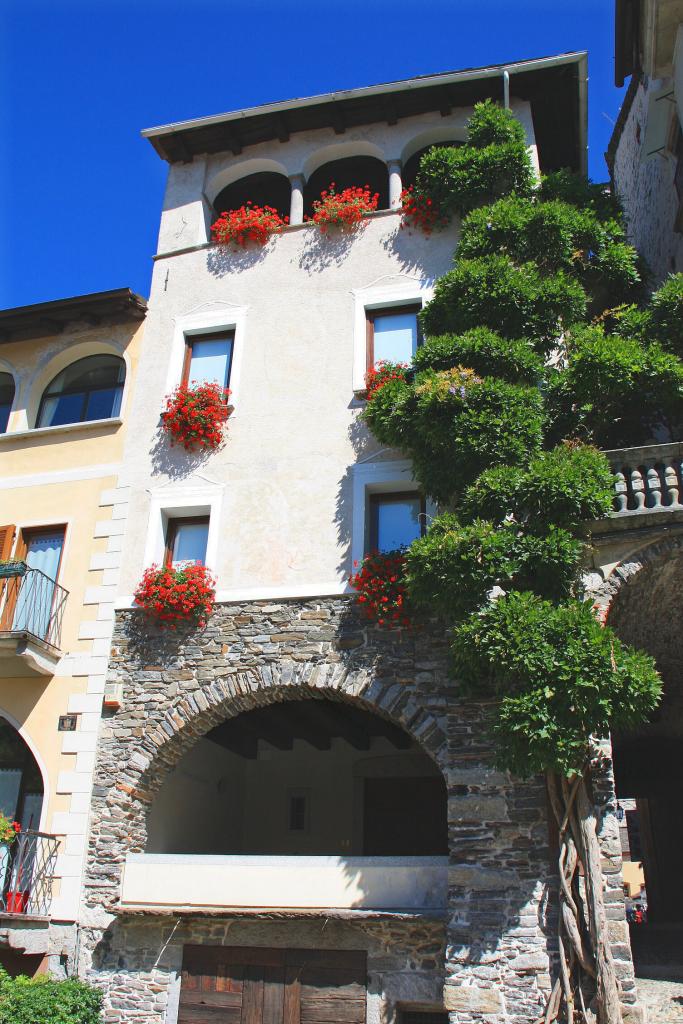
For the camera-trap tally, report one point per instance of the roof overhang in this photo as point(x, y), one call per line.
point(644, 37)
point(554, 86)
point(46, 318)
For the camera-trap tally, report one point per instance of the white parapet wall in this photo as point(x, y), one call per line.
point(198, 880)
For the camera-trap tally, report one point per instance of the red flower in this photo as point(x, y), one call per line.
point(174, 596)
point(381, 588)
point(344, 209)
point(381, 373)
point(419, 211)
point(248, 224)
point(195, 414)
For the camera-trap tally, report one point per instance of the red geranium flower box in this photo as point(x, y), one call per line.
point(195, 414)
point(181, 596)
point(380, 582)
point(419, 211)
point(380, 374)
point(344, 209)
point(249, 223)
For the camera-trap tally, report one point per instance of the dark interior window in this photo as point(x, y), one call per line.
point(6, 399)
point(352, 170)
point(265, 189)
point(89, 389)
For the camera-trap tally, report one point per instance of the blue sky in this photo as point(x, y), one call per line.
point(81, 191)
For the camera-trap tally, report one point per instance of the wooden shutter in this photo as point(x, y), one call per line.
point(6, 541)
point(237, 985)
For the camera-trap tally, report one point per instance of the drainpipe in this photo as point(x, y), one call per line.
point(506, 88)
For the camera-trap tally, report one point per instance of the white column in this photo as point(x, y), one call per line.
point(395, 183)
point(296, 207)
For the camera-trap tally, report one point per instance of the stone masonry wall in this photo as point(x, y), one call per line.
point(500, 916)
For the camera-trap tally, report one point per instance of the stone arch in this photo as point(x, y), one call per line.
point(185, 723)
point(242, 169)
point(606, 593)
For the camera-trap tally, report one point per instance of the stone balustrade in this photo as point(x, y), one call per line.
point(648, 479)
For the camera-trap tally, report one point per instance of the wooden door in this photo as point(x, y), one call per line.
point(238, 985)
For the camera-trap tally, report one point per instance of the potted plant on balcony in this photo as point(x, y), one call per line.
point(11, 567)
point(195, 415)
point(344, 210)
point(16, 900)
point(250, 223)
point(177, 596)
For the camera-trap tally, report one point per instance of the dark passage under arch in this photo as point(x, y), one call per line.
point(303, 777)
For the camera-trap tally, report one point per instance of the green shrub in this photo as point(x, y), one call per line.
point(560, 676)
point(577, 190)
point(568, 485)
point(494, 161)
point(665, 320)
point(616, 391)
point(454, 425)
point(516, 302)
point(453, 567)
point(483, 351)
point(41, 1000)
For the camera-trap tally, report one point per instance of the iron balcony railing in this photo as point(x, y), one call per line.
point(27, 868)
point(31, 603)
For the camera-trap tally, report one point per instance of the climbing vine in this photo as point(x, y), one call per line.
point(540, 351)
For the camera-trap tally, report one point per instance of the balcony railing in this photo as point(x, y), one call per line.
point(648, 479)
point(203, 881)
point(27, 869)
point(32, 603)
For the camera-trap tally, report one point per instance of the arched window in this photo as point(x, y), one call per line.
point(412, 165)
point(6, 399)
point(345, 173)
point(89, 389)
point(21, 784)
point(267, 188)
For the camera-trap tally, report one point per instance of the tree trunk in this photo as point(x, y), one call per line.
point(587, 989)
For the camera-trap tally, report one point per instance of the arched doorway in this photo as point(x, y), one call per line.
point(21, 782)
point(647, 613)
point(304, 777)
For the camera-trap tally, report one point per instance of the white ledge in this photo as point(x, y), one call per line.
point(281, 592)
point(306, 882)
point(65, 428)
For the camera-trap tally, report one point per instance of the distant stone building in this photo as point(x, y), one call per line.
point(645, 154)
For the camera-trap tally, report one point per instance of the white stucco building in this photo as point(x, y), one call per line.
point(287, 801)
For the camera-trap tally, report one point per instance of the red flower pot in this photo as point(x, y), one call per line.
point(17, 902)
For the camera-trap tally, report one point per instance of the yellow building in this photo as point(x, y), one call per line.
point(67, 370)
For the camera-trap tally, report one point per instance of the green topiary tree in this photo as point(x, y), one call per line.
point(503, 412)
point(41, 1000)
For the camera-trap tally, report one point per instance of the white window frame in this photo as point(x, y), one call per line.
point(381, 296)
point(195, 502)
point(229, 318)
point(376, 478)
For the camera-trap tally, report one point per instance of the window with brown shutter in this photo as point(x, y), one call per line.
point(6, 541)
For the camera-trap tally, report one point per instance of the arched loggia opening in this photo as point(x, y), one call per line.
point(21, 782)
point(266, 188)
point(345, 173)
point(305, 777)
point(647, 613)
